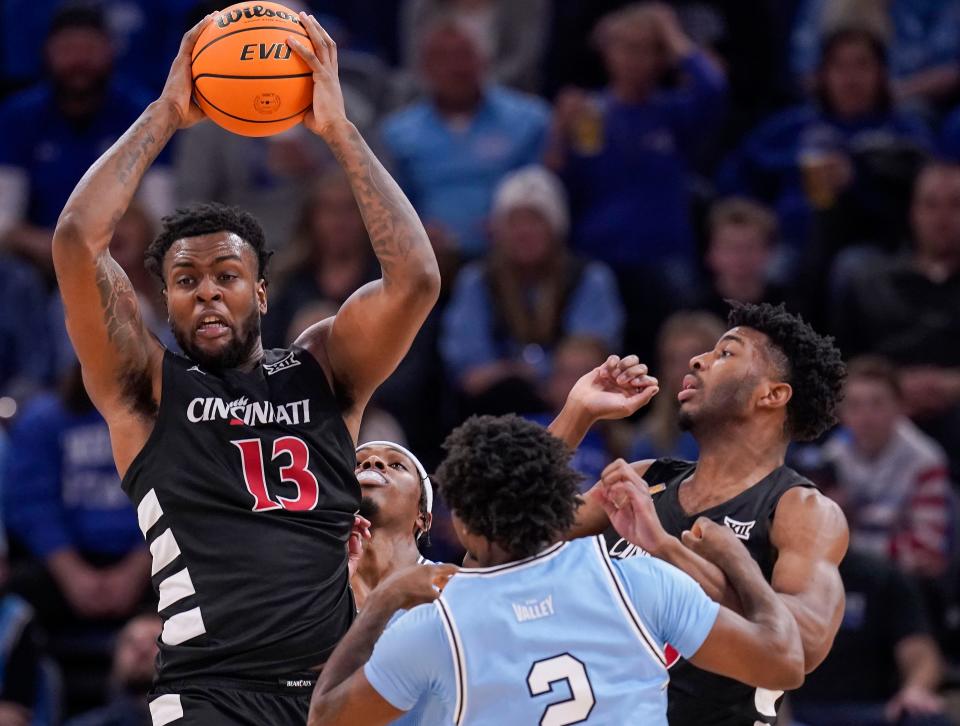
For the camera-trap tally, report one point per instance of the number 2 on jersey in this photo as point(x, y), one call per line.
point(545, 673)
point(296, 473)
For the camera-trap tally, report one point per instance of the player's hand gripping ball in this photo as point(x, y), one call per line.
point(246, 78)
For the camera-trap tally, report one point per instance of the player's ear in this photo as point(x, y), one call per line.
point(262, 295)
point(776, 395)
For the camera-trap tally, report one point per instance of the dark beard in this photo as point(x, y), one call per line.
point(716, 412)
point(369, 509)
point(238, 350)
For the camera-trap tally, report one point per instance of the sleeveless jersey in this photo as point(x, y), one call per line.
point(697, 697)
point(245, 492)
point(552, 639)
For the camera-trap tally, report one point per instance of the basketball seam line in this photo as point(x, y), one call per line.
point(250, 120)
point(242, 30)
point(249, 78)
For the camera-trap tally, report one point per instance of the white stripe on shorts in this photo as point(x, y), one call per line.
point(165, 709)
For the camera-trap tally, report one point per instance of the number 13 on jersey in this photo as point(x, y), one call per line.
point(294, 472)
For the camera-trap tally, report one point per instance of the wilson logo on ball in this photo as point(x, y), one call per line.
point(262, 51)
point(233, 15)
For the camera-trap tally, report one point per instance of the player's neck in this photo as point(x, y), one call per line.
point(384, 553)
point(731, 464)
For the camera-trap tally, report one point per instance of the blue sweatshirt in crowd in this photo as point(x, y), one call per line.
point(61, 489)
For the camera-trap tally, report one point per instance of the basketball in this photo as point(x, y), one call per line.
point(246, 78)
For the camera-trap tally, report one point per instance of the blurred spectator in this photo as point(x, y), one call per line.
point(50, 135)
point(574, 357)
point(906, 307)
point(839, 145)
point(131, 237)
point(131, 678)
point(508, 312)
point(892, 479)
point(511, 34)
point(923, 36)
point(267, 176)
point(683, 336)
point(624, 153)
point(884, 667)
point(950, 136)
point(145, 36)
point(27, 687)
point(450, 149)
point(26, 350)
point(68, 510)
point(740, 254)
point(328, 258)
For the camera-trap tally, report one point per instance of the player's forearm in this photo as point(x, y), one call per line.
point(106, 190)
point(767, 611)
point(571, 424)
point(357, 645)
point(708, 575)
point(816, 632)
point(396, 233)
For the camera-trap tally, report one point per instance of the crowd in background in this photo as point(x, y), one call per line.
point(596, 177)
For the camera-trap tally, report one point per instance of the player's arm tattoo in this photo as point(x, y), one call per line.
point(396, 233)
point(121, 311)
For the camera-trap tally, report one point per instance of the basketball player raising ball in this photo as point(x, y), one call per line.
point(240, 461)
point(769, 380)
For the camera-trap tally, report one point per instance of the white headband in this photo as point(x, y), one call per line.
point(427, 486)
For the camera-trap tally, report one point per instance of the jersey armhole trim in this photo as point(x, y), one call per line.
point(158, 425)
point(459, 662)
point(619, 593)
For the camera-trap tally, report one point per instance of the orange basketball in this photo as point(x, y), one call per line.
point(245, 76)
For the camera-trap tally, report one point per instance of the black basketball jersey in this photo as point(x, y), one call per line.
point(697, 697)
point(245, 492)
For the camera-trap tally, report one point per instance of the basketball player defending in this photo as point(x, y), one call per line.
point(769, 380)
point(240, 461)
point(502, 639)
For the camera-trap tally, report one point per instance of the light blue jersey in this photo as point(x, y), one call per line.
point(428, 710)
point(564, 637)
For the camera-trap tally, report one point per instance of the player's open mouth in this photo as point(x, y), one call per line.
point(212, 326)
point(689, 388)
point(372, 476)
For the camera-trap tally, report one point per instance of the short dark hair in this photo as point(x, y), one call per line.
point(509, 481)
point(811, 364)
point(78, 14)
point(207, 218)
point(877, 369)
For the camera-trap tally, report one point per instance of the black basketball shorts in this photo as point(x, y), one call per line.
point(229, 702)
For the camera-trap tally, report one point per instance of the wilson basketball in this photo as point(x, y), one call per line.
point(246, 78)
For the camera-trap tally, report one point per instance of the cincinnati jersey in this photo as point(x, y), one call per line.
point(696, 697)
point(245, 493)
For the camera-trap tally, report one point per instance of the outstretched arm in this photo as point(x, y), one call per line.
point(371, 333)
point(116, 351)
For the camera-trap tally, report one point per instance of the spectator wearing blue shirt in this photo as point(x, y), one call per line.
point(683, 336)
point(625, 153)
point(63, 503)
point(450, 149)
point(836, 148)
point(508, 312)
point(51, 134)
point(924, 39)
point(26, 348)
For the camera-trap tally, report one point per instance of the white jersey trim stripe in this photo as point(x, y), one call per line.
point(545, 556)
point(148, 511)
point(175, 588)
point(164, 550)
point(182, 627)
point(459, 662)
point(629, 611)
point(165, 709)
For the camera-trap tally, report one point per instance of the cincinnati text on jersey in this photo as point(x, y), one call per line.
point(249, 413)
